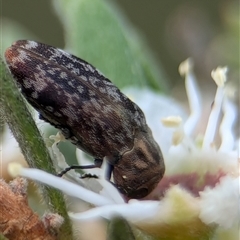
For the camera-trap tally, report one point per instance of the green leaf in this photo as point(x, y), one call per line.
point(96, 32)
point(119, 229)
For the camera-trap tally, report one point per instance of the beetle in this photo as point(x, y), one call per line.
point(91, 112)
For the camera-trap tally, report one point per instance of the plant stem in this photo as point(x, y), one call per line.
point(15, 112)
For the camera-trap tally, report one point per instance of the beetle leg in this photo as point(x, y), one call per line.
point(88, 175)
point(109, 172)
point(97, 164)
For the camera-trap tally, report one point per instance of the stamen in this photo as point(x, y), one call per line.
point(171, 121)
point(110, 191)
point(15, 169)
point(193, 95)
point(219, 76)
point(226, 126)
point(177, 138)
point(65, 186)
point(133, 211)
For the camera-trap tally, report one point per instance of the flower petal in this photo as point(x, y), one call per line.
point(221, 204)
point(65, 186)
point(134, 210)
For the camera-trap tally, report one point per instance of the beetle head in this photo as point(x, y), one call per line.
point(140, 169)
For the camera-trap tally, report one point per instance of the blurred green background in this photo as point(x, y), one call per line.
point(207, 31)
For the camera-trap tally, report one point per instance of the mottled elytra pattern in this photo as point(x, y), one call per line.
point(91, 112)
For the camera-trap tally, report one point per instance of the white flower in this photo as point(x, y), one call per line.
point(200, 188)
point(221, 204)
